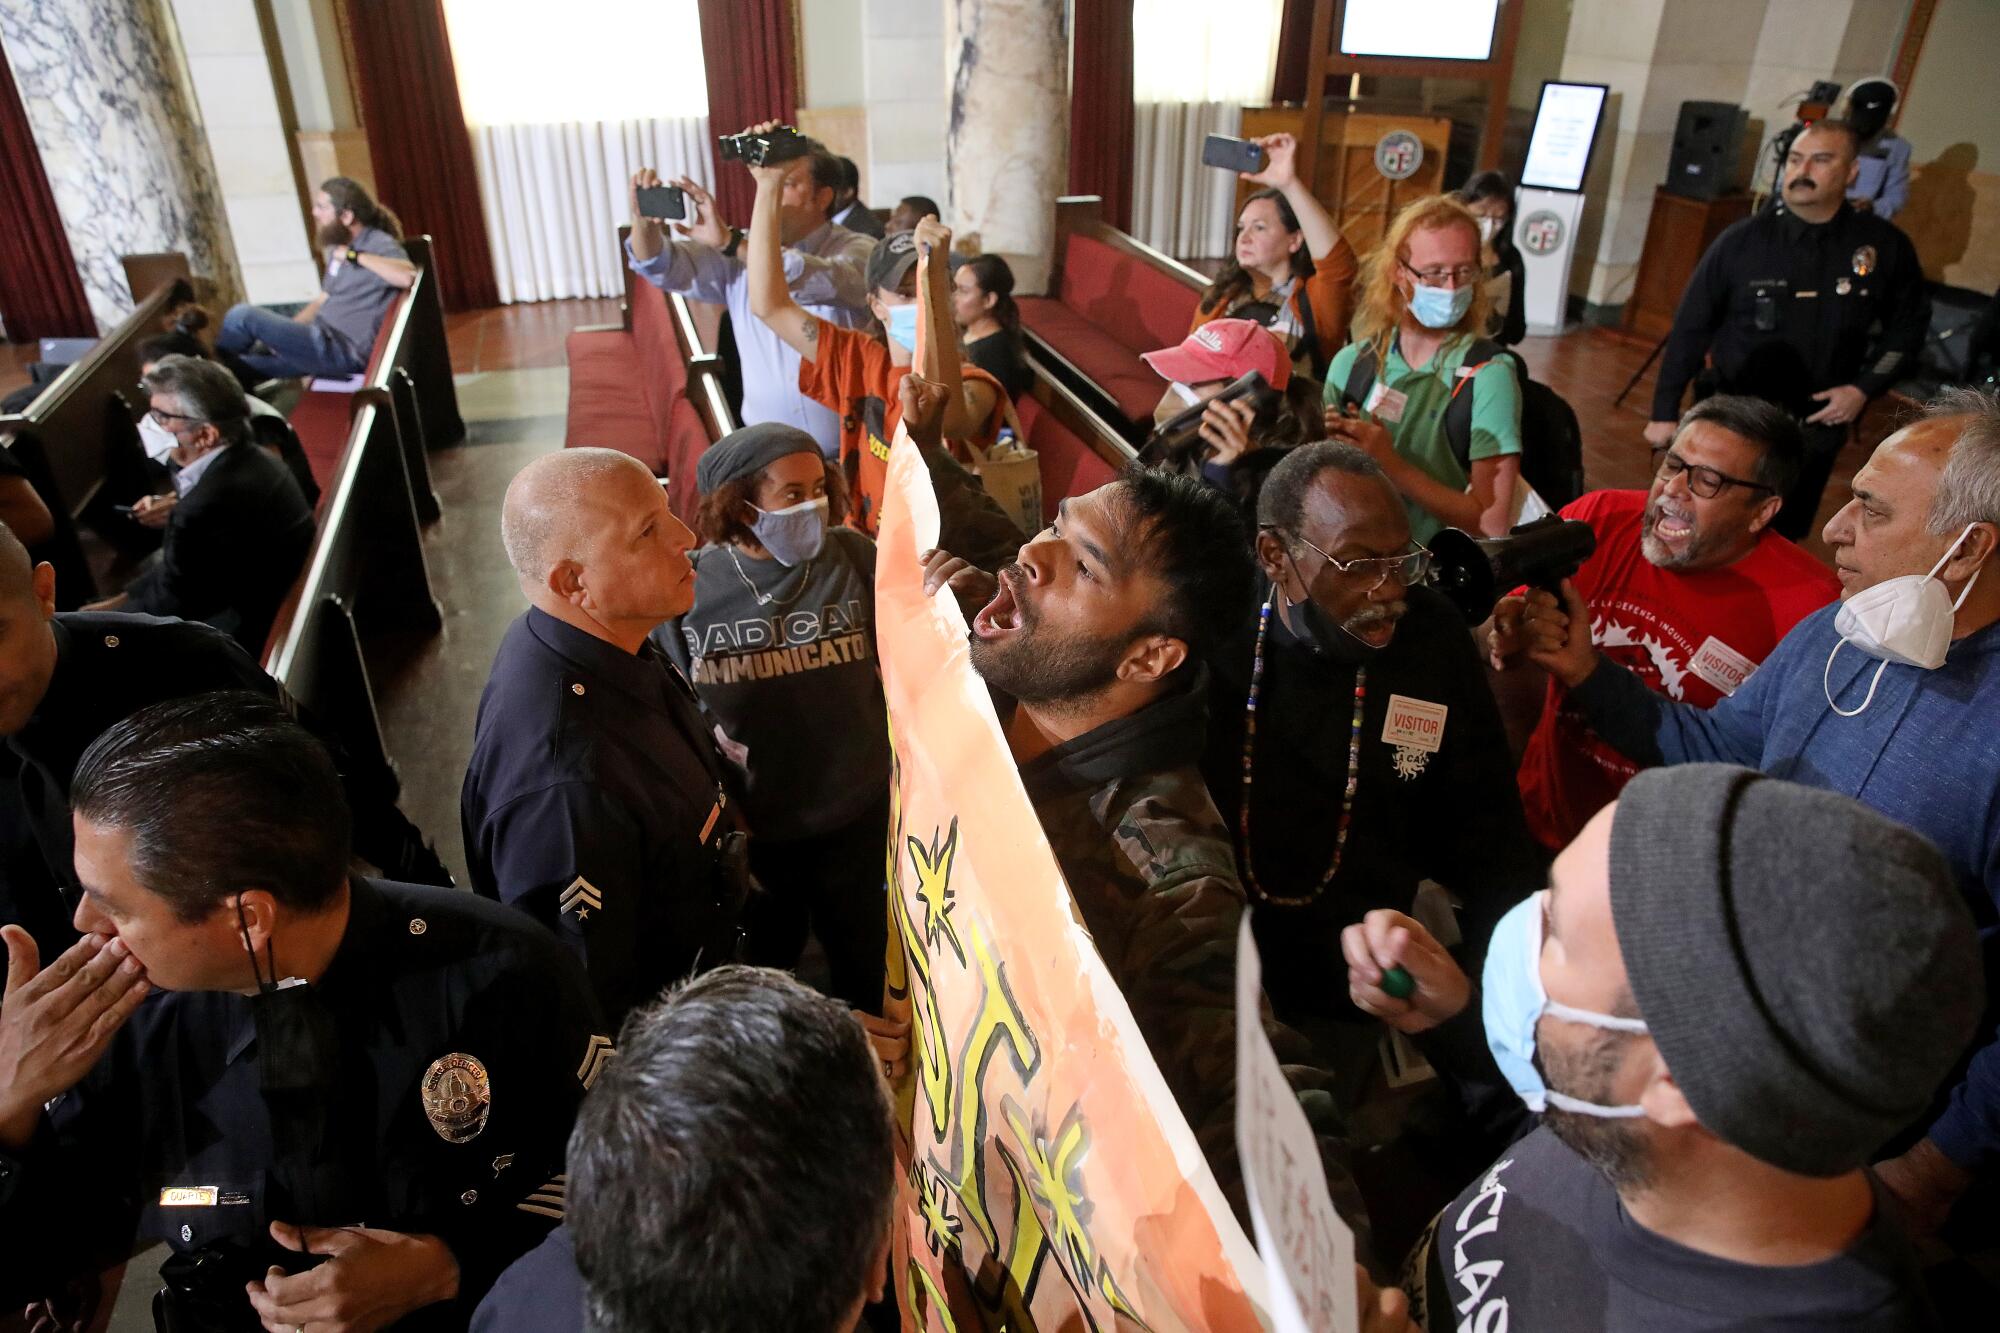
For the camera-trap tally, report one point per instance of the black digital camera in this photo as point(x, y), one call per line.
point(781, 143)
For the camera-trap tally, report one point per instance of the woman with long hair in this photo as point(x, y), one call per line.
point(1423, 308)
point(1291, 271)
point(1490, 198)
point(982, 305)
point(780, 645)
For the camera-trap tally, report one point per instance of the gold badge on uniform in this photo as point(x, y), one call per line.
point(457, 1097)
point(1864, 261)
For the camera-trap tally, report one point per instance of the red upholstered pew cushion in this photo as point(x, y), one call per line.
point(606, 408)
point(1103, 360)
point(323, 418)
point(1128, 298)
point(1069, 466)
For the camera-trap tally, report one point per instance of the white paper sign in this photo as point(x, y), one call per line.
point(1308, 1251)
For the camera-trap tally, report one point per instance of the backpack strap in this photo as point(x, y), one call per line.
point(1458, 408)
point(1360, 375)
point(1315, 351)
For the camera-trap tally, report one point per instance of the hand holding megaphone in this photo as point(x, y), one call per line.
point(1556, 634)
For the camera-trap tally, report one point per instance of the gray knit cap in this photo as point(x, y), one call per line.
point(1806, 966)
point(749, 450)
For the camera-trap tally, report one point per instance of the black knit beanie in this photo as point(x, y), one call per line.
point(1806, 966)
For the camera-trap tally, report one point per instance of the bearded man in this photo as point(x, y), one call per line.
point(1691, 587)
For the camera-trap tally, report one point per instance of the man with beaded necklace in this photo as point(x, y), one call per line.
point(1355, 751)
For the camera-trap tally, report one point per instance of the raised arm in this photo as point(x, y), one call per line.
point(1281, 173)
point(967, 403)
point(770, 296)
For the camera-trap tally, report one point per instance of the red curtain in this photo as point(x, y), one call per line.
point(1294, 52)
point(748, 53)
point(41, 295)
point(417, 137)
point(1100, 106)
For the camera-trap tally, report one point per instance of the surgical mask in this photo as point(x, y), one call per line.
point(1907, 619)
point(1513, 1002)
point(1440, 307)
point(1322, 633)
point(902, 325)
point(794, 534)
point(157, 439)
point(1489, 228)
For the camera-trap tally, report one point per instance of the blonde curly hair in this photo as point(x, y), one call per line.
point(1382, 302)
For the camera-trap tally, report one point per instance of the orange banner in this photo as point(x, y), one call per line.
point(1050, 1182)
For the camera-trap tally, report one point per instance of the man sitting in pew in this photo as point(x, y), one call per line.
point(334, 335)
point(239, 529)
point(824, 267)
point(269, 427)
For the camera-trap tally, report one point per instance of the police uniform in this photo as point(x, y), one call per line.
point(464, 1040)
point(1788, 308)
point(108, 667)
point(595, 802)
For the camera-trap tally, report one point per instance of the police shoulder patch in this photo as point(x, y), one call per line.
point(458, 1096)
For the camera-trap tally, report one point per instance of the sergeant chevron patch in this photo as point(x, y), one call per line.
point(595, 1056)
point(582, 898)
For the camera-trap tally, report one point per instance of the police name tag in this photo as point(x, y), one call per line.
point(189, 1196)
point(1721, 666)
point(1415, 727)
point(1385, 403)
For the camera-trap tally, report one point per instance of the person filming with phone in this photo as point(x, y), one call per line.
point(1291, 271)
point(825, 268)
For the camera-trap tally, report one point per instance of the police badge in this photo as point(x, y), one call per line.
point(1864, 261)
point(457, 1097)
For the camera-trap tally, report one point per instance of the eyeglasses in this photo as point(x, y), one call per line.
point(1461, 276)
point(162, 418)
point(1408, 570)
point(1705, 482)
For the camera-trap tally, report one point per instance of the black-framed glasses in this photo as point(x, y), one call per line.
point(1409, 569)
point(1461, 276)
point(1705, 482)
point(162, 418)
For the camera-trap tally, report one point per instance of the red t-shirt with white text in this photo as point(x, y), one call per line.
point(1692, 637)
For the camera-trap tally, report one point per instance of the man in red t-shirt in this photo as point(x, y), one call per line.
point(1690, 588)
point(858, 374)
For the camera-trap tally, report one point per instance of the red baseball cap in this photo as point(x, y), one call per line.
point(1225, 349)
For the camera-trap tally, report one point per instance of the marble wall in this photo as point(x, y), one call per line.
point(106, 93)
point(1007, 147)
point(903, 87)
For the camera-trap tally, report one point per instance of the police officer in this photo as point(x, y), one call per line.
point(1788, 300)
point(595, 798)
point(346, 1103)
point(66, 677)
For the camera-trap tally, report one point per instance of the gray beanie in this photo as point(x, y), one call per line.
point(742, 453)
point(1806, 966)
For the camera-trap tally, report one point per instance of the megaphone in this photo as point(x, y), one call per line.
point(1476, 572)
point(1181, 434)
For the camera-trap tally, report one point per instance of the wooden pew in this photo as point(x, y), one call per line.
point(1078, 449)
point(82, 431)
point(1110, 298)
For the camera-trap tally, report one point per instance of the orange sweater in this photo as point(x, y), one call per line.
point(1330, 292)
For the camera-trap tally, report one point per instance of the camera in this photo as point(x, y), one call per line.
point(781, 143)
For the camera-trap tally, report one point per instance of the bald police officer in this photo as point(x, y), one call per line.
point(1788, 302)
point(595, 799)
point(346, 1102)
point(67, 676)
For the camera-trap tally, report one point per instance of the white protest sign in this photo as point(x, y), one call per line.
point(1308, 1251)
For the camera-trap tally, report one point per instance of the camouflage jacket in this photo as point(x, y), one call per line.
point(1152, 871)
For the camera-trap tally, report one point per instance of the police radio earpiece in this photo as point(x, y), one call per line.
point(1475, 572)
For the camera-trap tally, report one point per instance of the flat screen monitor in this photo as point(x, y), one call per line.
point(1565, 132)
point(1419, 29)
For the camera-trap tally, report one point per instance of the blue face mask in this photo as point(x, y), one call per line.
point(1440, 307)
point(794, 534)
point(902, 325)
point(1513, 1003)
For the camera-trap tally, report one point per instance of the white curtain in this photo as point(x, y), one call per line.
point(564, 103)
point(1195, 65)
point(1179, 206)
point(554, 195)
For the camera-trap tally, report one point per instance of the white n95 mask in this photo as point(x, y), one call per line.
point(1907, 619)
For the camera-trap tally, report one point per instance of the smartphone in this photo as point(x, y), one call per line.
point(126, 510)
point(663, 203)
point(1219, 150)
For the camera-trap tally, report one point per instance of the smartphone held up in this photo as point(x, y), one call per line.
point(1244, 155)
point(662, 203)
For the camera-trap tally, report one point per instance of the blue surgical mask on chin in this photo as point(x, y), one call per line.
point(1440, 307)
point(1512, 1004)
point(902, 325)
point(794, 534)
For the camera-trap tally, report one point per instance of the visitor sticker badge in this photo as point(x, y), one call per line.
point(1415, 728)
point(1721, 666)
point(1385, 403)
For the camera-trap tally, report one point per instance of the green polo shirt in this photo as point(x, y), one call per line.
point(1419, 435)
